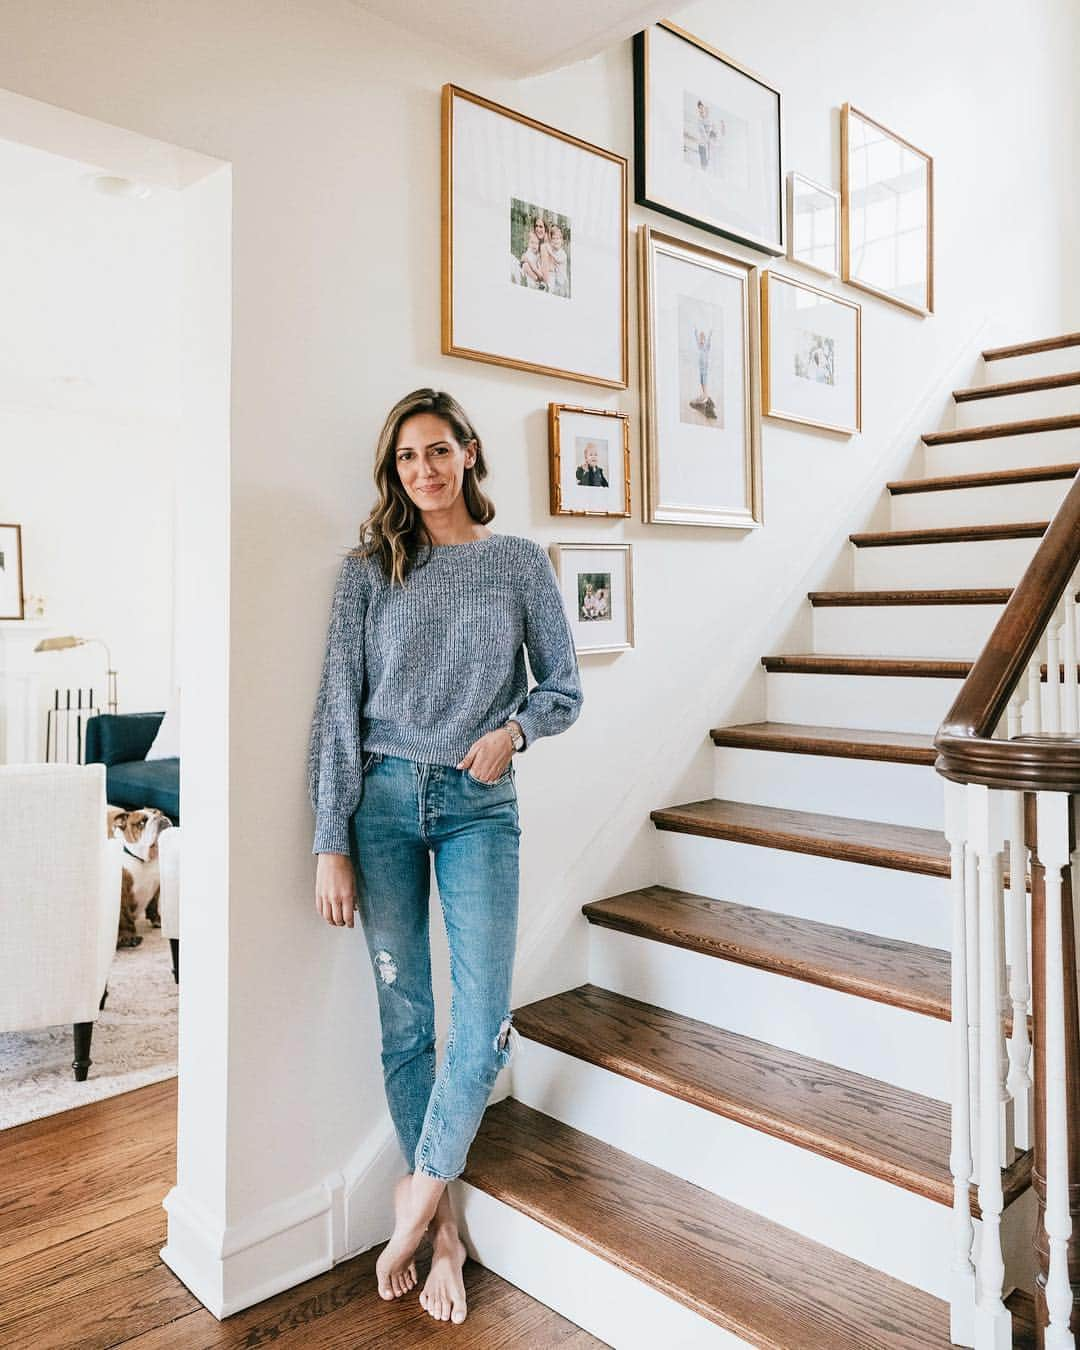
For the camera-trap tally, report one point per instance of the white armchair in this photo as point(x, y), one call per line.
point(169, 899)
point(59, 899)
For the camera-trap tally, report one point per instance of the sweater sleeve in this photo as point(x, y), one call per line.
point(334, 752)
point(553, 704)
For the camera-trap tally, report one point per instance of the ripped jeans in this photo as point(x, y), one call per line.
point(407, 810)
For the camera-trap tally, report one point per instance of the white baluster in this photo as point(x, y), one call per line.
point(962, 1300)
point(1034, 698)
point(1019, 1080)
point(971, 932)
point(993, 1323)
point(1070, 654)
point(1053, 835)
point(1052, 721)
point(1013, 716)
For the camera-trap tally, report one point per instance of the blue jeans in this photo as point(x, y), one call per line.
point(407, 810)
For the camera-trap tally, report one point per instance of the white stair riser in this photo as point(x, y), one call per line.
point(1003, 505)
point(903, 905)
point(1002, 452)
point(906, 794)
point(894, 1045)
point(869, 702)
point(982, 412)
point(983, 563)
point(1054, 362)
point(947, 631)
point(607, 1301)
point(862, 1216)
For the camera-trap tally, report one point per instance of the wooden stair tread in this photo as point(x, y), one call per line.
point(898, 747)
point(885, 1131)
point(906, 848)
point(950, 534)
point(813, 663)
point(1050, 344)
point(885, 970)
point(958, 596)
point(1035, 384)
point(1043, 473)
point(757, 1280)
point(1027, 427)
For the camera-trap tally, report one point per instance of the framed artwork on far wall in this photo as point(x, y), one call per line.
point(11, 573)
point(597, 584)
point(887, 213)
point(708, 139)
point(589, 452)
point(813, 225)
point(699, 379)
point(811, 355)
point(534, 267)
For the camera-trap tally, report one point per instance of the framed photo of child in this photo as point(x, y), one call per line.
point(534, 245)
point(811, 355)
point(597, 584)
point(589, 451)
point(11, 574)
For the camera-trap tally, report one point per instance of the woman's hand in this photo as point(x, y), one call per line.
point(488, 758)
point(335, 889)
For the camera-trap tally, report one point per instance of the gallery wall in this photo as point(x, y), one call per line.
point(330, 120)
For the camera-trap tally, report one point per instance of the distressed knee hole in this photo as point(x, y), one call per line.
point(385, 966)
point(503, 1042)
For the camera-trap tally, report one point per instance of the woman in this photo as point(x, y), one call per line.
point(423, 702)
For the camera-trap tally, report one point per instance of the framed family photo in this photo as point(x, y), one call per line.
point(708, 139)
point(887, 209)
point(813, 225)
point(811, 355)
point(11, 573)
point(589, 451)
point(534, 232)
point(597, 584)
point(699, 353)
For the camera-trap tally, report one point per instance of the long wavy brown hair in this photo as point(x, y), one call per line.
point(395, 532)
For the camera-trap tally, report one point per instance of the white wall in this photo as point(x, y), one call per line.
point(330, 120)
point(89, 409)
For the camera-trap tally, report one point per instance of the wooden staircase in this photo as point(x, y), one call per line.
point(737, 1133)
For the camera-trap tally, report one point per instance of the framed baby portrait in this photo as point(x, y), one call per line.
point(597, 584)
point(811, 355)
point(699, 379)
point(534, 245)
point(11, 573)
point(887, 210)
point(589, 450)
point(707, 139)
point(813, 225)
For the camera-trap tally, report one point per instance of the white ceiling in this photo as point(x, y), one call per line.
point(517, 38)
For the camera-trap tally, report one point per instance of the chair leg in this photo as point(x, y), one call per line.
point(104, 996)
point(174, 944)
point(82, 1061)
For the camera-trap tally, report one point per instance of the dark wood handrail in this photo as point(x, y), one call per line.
point(966, 752)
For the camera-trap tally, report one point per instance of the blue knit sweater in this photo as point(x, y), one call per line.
point(423, 671)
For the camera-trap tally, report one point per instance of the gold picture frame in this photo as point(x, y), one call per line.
point(658, 505)
point(599, 181)
point(560, 497)
point(12, 594)
point(570, 587)
point(856, 275)
point(769, 406)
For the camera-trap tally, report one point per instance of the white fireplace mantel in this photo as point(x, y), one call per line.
point(26, 681)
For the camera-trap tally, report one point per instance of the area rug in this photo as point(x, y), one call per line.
point(134, 1041)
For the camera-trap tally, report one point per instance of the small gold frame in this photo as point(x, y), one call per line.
point(19, 565)
point(846, 113)
point(766, 383)
point(555, 457)
point(626, 550)
point(451, 92)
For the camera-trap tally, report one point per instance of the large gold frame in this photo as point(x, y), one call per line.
point(449, 93)
point(766, 380)
point(845, 214)
point(653, 511)
point(555, 457)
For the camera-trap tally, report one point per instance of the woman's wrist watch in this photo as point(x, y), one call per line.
point(517, 736)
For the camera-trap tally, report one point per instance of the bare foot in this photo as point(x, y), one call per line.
point(443, 1294)
point(395, 1269)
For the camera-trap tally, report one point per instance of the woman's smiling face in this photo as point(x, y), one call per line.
point(430, 461)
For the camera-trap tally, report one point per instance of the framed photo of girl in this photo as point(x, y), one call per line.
point(534, 227)
point(708, 139)
point(597, 584)
point(700, 401)
point(811, 355)
point(589, 451)
point(11, 573)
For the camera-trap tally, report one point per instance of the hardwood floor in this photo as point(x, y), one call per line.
point(81, 1225)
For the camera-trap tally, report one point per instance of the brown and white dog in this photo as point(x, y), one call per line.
point(140, 886)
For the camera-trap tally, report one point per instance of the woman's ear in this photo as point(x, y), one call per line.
point(470, 453)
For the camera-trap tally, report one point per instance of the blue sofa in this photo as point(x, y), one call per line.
point(120, 742)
